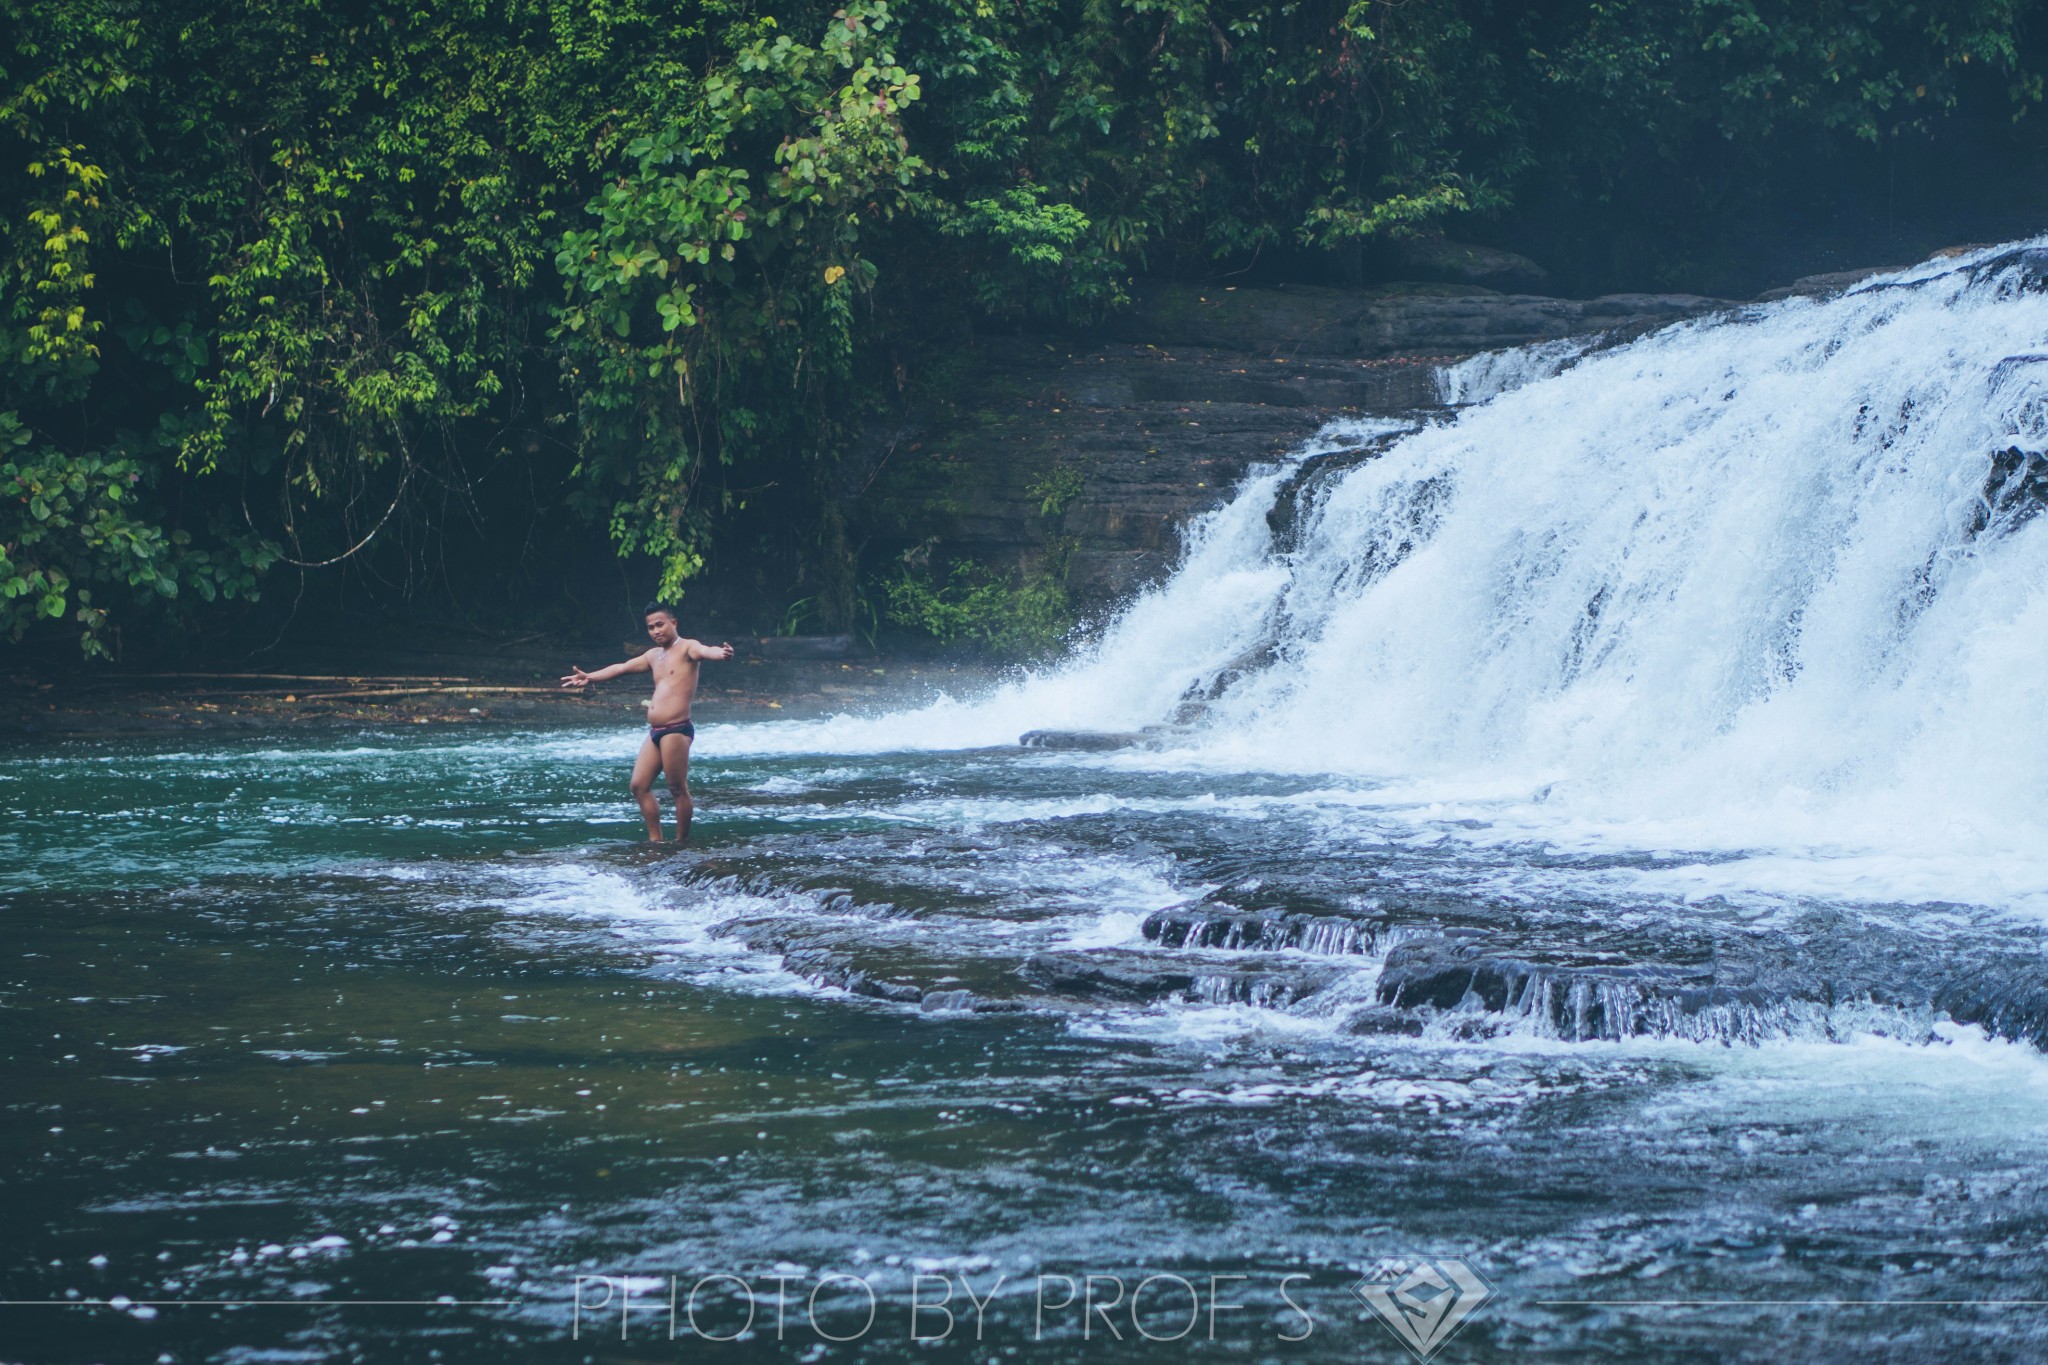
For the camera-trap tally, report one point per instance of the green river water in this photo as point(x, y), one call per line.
point(397, 1047)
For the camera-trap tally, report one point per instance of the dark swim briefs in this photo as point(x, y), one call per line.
point(658, 733)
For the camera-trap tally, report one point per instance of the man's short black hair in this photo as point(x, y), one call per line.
point(653, 607)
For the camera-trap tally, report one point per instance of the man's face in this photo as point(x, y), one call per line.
point(661, 628)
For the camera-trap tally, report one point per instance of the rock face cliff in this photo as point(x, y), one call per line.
point(1098, 453)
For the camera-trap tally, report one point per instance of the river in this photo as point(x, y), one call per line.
point(1592, 844)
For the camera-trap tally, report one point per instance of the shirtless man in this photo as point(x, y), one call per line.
point(673, 661)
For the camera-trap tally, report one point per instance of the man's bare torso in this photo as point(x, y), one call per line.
point(675, 683)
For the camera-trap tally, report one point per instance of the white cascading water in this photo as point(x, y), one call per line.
point(1733, 586)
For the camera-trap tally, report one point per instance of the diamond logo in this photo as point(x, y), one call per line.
point(1423, 1302)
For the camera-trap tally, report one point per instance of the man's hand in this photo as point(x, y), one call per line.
point(719, 652)
point(577, 677)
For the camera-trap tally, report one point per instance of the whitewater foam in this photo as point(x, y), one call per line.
point(680, 926)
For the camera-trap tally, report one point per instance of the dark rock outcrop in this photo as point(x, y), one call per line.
point(1432, 321)
point(1196, 385)
point(2014, 493)
point(1262, 930)
point(1144, 978)
point(1440, 258)
point(1083, 741)
point(1117, 978)
point(2024, 269)
point(1825, 285)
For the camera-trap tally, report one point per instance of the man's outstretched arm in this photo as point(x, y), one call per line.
point(700, 650)
point(576, 677)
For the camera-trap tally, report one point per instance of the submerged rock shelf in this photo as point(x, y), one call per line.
point(1458, 969)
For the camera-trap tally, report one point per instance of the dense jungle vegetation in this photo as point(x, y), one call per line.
point(438, 298)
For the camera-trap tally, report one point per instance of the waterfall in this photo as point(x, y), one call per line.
point(1764, 580)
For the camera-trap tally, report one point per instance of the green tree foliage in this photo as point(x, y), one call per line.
point(279, 277)
point(1681, 127)
point(1671, 69)
point(710, 307)
point(1014, 615)
point(1087, 140)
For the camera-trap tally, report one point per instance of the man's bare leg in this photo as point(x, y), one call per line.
point(675, 765)
point(644, 768)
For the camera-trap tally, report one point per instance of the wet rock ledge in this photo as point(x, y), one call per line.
point(1153, 424)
